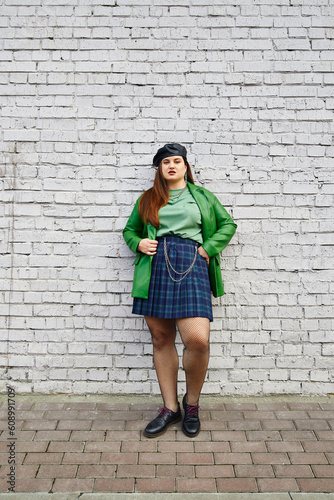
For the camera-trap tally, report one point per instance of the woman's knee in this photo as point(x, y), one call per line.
point(163, 333)
point(197, 343)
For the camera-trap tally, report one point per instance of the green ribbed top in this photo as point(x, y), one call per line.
point(181, 217)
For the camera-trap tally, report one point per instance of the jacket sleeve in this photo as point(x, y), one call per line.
point(225, 229)
point(132, 233)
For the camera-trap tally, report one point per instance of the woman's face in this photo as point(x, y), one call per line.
point(173, 169)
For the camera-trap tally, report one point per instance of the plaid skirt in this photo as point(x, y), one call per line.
point(190, 297)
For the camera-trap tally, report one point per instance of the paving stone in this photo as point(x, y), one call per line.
point(73, 484)
point(270, 458)
point(176, 471)
point(48, 406)
point(277, 484)
point(312, 424)
point(166, 484)
point(116, 485)
point(127, 470)
point(194, 458)
point(317, 446)
point(38, 425)
point(119, 458)
point(260, 415)
point(214, 425)
point(202, 436)
point(292, 415)
point(77, 425)
point(157, 458)
point(322, 485)
point(126, 415)
point(232, 458)
point(273, 425)
point(263, 436)
point(30, 415)
point(142, 407)
point(81, 458)
point(108, 425)
point(34, 446)
point(96, 471)
point(227, 416)
point(40, 458)
point(325, 435)
point(303, 406)
point(196, 485)
point(277, 446)
point(214, 471)
point(228, 436)
point(298, 435)
point(327, 406)
point(308, 458)
point(83, 406)
point(187, 446)
point(61, 415)
point(26, 471)
point(113, 406)
point(87, 436)
point(254, 470)
point(148, 446)
point(133, 425)
point(293, 471)
point(324, 414)
point(123, 436)
point(52, 436)
point(33, 484)
point(60, 471)
point(248, 446)
point(238, 484)
point(273, 406)
point(245, 425)
point(62, 446)
point(210, 446)
point(240, 406)
point(323, 470)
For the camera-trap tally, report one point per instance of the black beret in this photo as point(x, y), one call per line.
point(169, 150)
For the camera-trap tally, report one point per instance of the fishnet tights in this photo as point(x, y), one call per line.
point(195, 334)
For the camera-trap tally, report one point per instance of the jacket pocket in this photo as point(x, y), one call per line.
point(137, 259)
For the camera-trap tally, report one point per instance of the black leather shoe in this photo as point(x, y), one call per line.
point(191, 424)
point(160, 424)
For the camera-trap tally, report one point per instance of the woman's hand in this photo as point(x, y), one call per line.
point(204, 254)
point(149, 247)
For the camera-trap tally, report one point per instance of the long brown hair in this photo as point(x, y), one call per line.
point(156, 197)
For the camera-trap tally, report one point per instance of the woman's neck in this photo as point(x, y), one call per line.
point(177, 185)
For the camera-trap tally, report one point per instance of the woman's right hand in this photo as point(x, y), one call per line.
point(149, 247)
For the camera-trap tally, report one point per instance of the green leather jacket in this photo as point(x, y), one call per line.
point(217, 228)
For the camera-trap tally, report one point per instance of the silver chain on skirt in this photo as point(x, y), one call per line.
point(169, 265)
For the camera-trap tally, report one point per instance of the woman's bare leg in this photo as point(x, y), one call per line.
point(165, 357)
point(195, 334)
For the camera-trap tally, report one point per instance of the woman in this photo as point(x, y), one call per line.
point(177, 230)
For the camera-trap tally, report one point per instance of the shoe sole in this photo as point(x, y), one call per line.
point(163, 432)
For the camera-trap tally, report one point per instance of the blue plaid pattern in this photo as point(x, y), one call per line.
point(167, 299)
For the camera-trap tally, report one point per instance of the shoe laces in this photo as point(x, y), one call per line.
point(163, 411)
point(192, 410)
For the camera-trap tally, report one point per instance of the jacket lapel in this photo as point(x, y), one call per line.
point(151, 231)
point(203, 206)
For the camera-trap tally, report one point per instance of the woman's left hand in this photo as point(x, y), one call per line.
point(204, 254)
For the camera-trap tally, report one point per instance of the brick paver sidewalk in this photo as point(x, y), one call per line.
point(97, 446)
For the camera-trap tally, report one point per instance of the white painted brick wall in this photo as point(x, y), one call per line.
point(88, 93)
